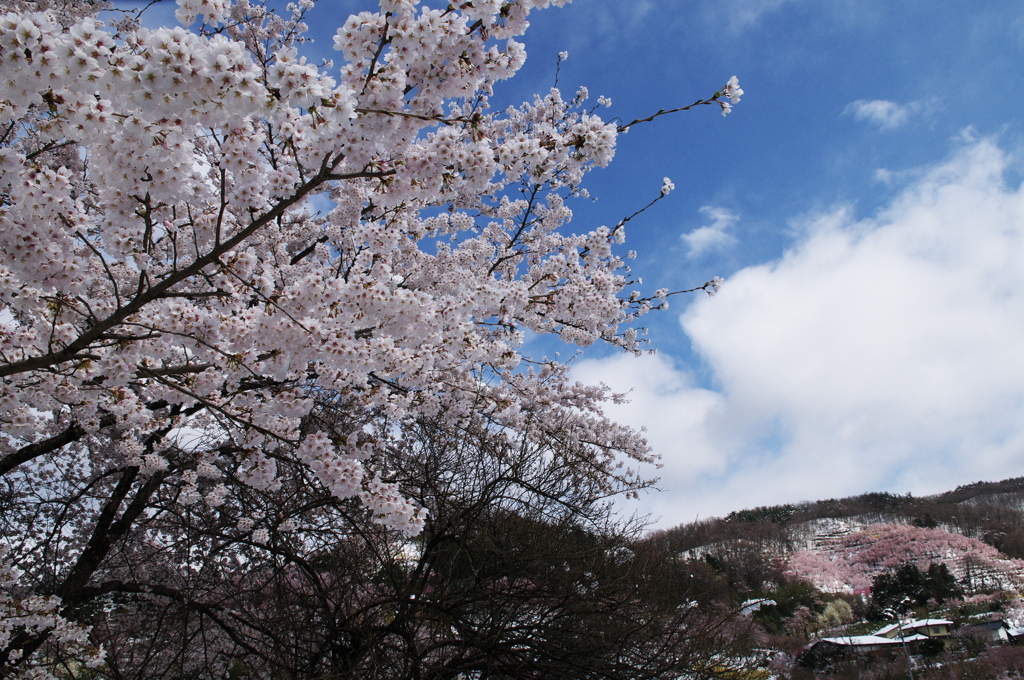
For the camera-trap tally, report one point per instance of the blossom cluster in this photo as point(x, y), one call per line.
point(163, 271)
point(732, 91)
point(851, 562)
point(241, 292)
point(33, 614)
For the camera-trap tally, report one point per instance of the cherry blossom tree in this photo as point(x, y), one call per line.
point(207, 240)
point(521, 571)
point(850, 564)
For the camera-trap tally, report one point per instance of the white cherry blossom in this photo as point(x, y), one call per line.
point(174, 313)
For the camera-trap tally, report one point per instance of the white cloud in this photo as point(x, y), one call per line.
point(712, 236)
point(877, 354)
point(885, 114)
point(676, 415)
point(737, 15)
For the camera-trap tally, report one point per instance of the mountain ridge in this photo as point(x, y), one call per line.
point(992, 512)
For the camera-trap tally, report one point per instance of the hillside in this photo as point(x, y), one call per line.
point(839, 546)
point(847, 561)
point(991, 512)
point(839, 567)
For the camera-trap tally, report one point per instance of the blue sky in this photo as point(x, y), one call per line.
point(863, 203)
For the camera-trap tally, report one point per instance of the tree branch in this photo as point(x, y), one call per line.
point(157, 290)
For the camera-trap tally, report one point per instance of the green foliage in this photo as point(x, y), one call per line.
point(931, 647)
point(907, 585)
point(837, 612)
point(940, 584)
point(238, 671)
point(884, 500)
point(790, 595)
point(716, 563)
point(893, 589)
point(776, 514)
point(975, 489)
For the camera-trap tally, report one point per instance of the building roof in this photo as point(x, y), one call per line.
point(913, 624)
point(866, 640)
point(888, 629)
point(751, 606)
point(929, 622)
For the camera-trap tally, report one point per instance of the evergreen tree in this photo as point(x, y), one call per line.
point(908, 584)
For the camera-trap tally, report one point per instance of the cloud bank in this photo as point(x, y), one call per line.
point(881, 353)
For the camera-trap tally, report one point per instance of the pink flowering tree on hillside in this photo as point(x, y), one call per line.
point(853, 561)
point(177, 321)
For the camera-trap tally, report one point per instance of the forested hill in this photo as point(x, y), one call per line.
point(990, 511)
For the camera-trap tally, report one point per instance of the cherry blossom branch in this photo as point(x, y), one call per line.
point(157, 290)
point(710, 287)
point(382, 42)
point(731, 91)
point(217, 408)
point(106, 533)
point(621, 223)
point(665, 112)
point(26, 453)
point(211, 611)
point(417, 116)
point(75, 431)
point(50, 146)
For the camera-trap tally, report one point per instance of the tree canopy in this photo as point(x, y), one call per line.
point(244, 301)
